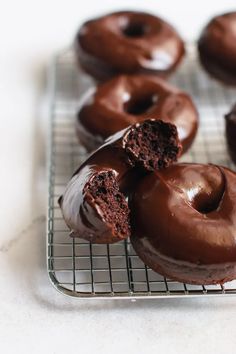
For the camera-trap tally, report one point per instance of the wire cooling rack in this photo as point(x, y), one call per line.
point(80, 269)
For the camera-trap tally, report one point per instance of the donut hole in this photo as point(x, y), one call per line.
point(205, 207)
point(141, 105)
point(207, 201)
point(153, 144)
point(104, 190)
point(135, 29)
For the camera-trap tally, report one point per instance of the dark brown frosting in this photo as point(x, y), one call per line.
point(128, 42)
point(230, 130)
point(126, 160)
point(128, 99)
point(217, 47)
point(184, 221)
point(82, 215)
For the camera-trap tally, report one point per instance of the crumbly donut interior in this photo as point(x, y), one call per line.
point(111, 202)
point(154, 144)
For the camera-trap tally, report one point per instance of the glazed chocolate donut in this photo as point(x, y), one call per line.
point(230, 129)
point(94, 204)
point(184, 223)
point(128, 42)
point(128, 99)
point(217, 48)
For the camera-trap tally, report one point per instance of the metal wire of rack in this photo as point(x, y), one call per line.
point(80, 269)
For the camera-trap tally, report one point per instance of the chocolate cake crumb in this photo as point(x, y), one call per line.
point(104, 189)
point(153, 144)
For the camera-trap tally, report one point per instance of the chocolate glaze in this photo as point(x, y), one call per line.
point(128, 42)
point(230, 130)
point(184, 221)
point(83, 215)
point(217, 48)
point(126, 165)
point(128, 99)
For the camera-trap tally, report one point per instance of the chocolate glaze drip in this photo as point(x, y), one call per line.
point(128, 42)
point(217, 47)
point(128, 99)
point(184, 222)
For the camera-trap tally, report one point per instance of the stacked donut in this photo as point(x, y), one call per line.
point(180, 217)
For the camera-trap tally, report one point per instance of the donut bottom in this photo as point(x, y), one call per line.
point(217, 70)
point(183, 272)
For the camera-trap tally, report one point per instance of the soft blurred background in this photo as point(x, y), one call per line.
point(33, 317)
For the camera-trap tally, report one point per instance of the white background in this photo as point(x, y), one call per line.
point(33, 317)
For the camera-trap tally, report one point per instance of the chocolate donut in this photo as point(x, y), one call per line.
point(184, 223)
point(94, 204)
point(217, 48)
point(128, 42)
point(128, 99)
point(230, 130)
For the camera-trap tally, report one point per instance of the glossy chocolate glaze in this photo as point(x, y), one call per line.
point(184, 222)
point(128, 99)
point(230, 130)
point(81, 212)
point(82, 215)
point(217, 48)
point(128, 42)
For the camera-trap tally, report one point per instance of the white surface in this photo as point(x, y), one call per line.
point(33, 317)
